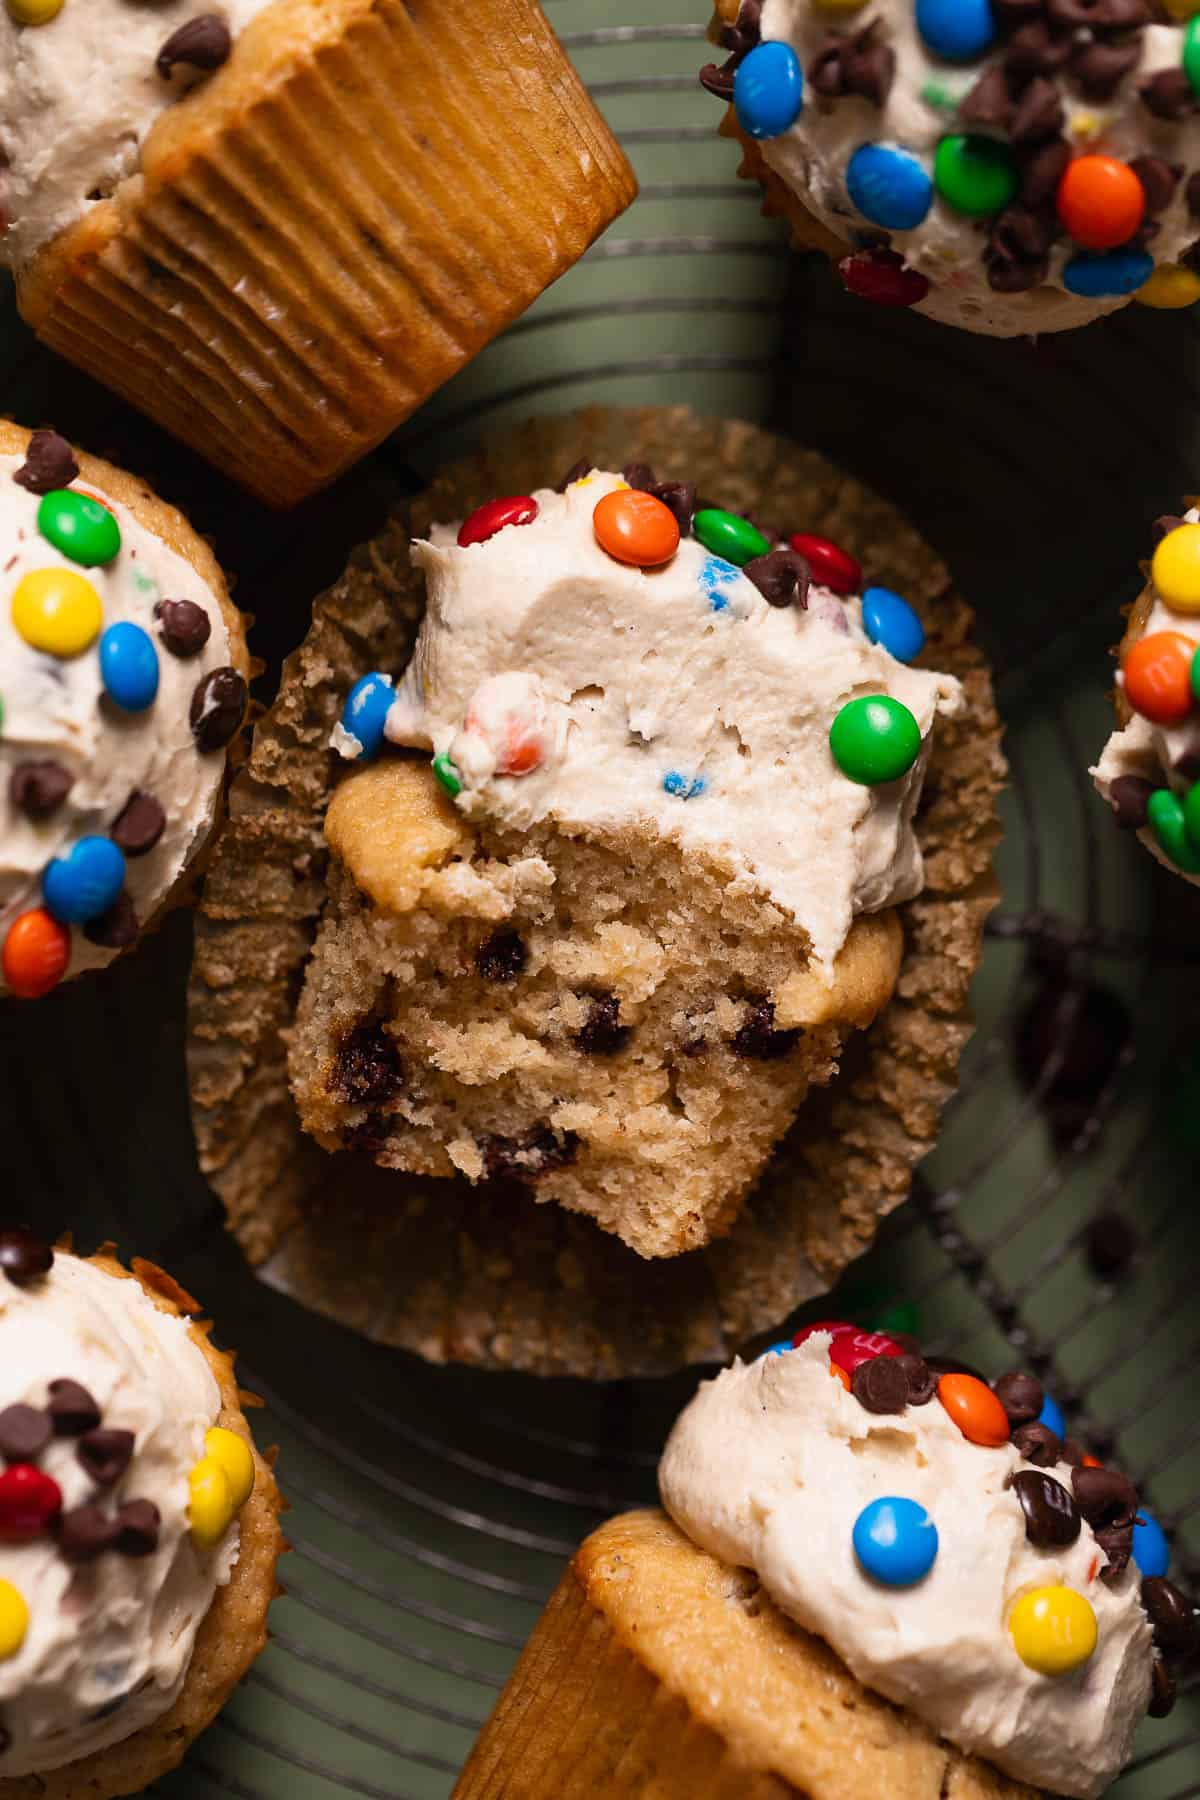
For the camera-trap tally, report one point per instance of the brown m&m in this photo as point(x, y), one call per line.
point(1052, 1518)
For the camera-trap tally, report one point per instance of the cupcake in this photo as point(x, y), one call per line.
point(278, 226)
point(138, 1524)
point(1149, 770)
point(1014, 167)
point(598, 971)
point(891, 1582)
point(123, 670)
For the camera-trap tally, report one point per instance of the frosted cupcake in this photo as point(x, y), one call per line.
point(138, 1524)
point(277, 226)
point(874, 1579)
point(123, 670)
point(1007, 166)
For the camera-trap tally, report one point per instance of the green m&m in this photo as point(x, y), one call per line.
point(1168, 816)
point(874, 739)
point(447, 774)
point(975, 175)
point(1191, 53)
point(79, 526)
point(728, 536)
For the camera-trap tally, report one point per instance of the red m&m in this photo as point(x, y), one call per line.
point(487, 520)
point(850, 1345)
point(880, 276)
point(831, 566)
point(1157, 677)
point(28, 1501)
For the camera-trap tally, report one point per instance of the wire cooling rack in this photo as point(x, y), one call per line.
point(432, 1509)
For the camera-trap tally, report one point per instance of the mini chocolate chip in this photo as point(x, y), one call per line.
point(139, 824)
point(24, 1433)
point(1021, 1396)
point(862, 64)
point(536, 1152)
point(105, 1453)
point(1163, 1692)
point(1168, 95)
point(782, 577)
point(137, 1528)
point(756, 1038)
point(49, 463)
point(1159, 178)
point(576, 472)
point(201, 43)
point(183, 626)
point(879, 1386)
point(1038, 114)
point(1116, 1541)
point(640, 476)
point(1110, 1245)
point(38, 788)
point(1008, 275)
point(1172, 1615)
point(746, 30)
point(1128, 795)
point(72, 1409)
point(679, 497)
point(367, 1069)
point(922, 1382)
point(1104, 1496)
point(717, 78)
point(502, 957)
point(1038, 1445)
point(602, 1033)
point(116, 928)
point(1051, 1515)
point(24, 1258)
point(1033, 49)
point(85, 1533)
point(989, 101)
point(1101, 68)
point(1042, 171)
point(217, 709)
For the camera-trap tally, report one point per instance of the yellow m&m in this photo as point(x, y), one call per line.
point(1053, 1630)
point(233, 1455)
point(34, 12)
point(58, 611)
point(1170, 287)
point(1175, 569)
point(14, 1620)
point(210, 1503)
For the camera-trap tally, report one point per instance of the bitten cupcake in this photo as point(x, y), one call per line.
point(277, 226)
point(1007, 166)
point(876, 1578)
point(138, 1524)
point(123, 668)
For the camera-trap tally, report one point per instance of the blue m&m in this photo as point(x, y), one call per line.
point(895, 1541)
point(768, 90)
point(889, 620)
point(85, 883)
point(1151, 1551)
point(1118, 272)
point(365, 713)
point(129, 667)
point(778, 1349)
point(956, 29)
point(1051, 1417)
point(889, 187)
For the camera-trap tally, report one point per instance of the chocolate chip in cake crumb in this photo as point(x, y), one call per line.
point(576, 472)
point(640, 475)
point(920, 1378)
point(105, 1454)
point(217, 709)
point(202, 43)
point(880, 1386)
point(24, 1433)
point(71, 1408)
point(38, 788)
point(536, 1152)
point(49, 464)
point(1020, 1395)
point(756, 1038)
point(24, 1258)
point(679, 498)
point(183, 626)
point(602, 1033)
point(367, 1069)
point(1172, 1615)
point(115, 929)
point(1129, 796)
point(139, 824)
point(1038, 1445)
point(502, 957)
point(84, 1533)
point(782, 577)
point(1051, 1515)
point(717, 78)
point(137, 1528)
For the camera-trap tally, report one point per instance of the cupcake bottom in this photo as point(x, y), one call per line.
point(234, 1629)
point(656, 1669)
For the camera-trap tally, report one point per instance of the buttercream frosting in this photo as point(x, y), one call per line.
point(109, 1641)
point(562, 684)
point(769, 1467)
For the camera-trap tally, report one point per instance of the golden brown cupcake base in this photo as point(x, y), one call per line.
point(658, 1670)
point(485, 1275)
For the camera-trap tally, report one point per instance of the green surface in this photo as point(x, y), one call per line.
point(433, 1508)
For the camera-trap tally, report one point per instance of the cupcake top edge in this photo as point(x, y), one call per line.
point(620, 649)
point(119, 1496)
point(959, 1555)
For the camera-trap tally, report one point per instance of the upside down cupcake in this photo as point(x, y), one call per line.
point(874, 1579)
point(138, 1524)
point(1007, 166)
point(123, 668)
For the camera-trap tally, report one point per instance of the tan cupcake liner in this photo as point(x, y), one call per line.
point(656, 1669)
point(486, 1275)
point(330, 227)
point(234, 1629)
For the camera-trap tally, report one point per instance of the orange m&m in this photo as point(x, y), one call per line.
point(1157, 677)
point(1100, 201)
point(633, 527)
point(36, 953)
point(975, 1409)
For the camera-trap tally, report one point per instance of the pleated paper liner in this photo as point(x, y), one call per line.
point(656, 1669)
point(333, 225)
point(484, 1274)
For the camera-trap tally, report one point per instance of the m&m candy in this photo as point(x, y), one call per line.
point(34, 12)
point(975, 1409)
point(1151, 1551)
point(84, 883)
point(1191, 54)
point(36, 952)
point(14, 1620)
point(1053, 1630)
point(446, 773)
point(1100, 201)
point(768, 90)
point(236, 1460)
point(881, 277)
point(1165, 816)
point(365, 712)
point(79, 526)
point(1051, 1416)
point(57, 611)
point(1100, 277)
point(976, 176)
point(875, 739)
point(889, 187)
point(831, 566)
point(29, 1500)
point(895, 1541)
point(956, 29)
point(1169, 288)
point(634, 527)
point(487, 520)
point(729, 536)
point(1157, 677)
point(1175, 569)
point(889, 620)
point(129, 667)
point(210, 1503)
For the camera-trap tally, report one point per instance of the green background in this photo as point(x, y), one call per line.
point(432, 1508)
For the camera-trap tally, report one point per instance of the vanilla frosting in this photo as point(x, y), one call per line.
point(108, 1641)
point(562, 684)
point(77, 97)
point(769, 1467)
point(55, 709)
point(920, 109)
